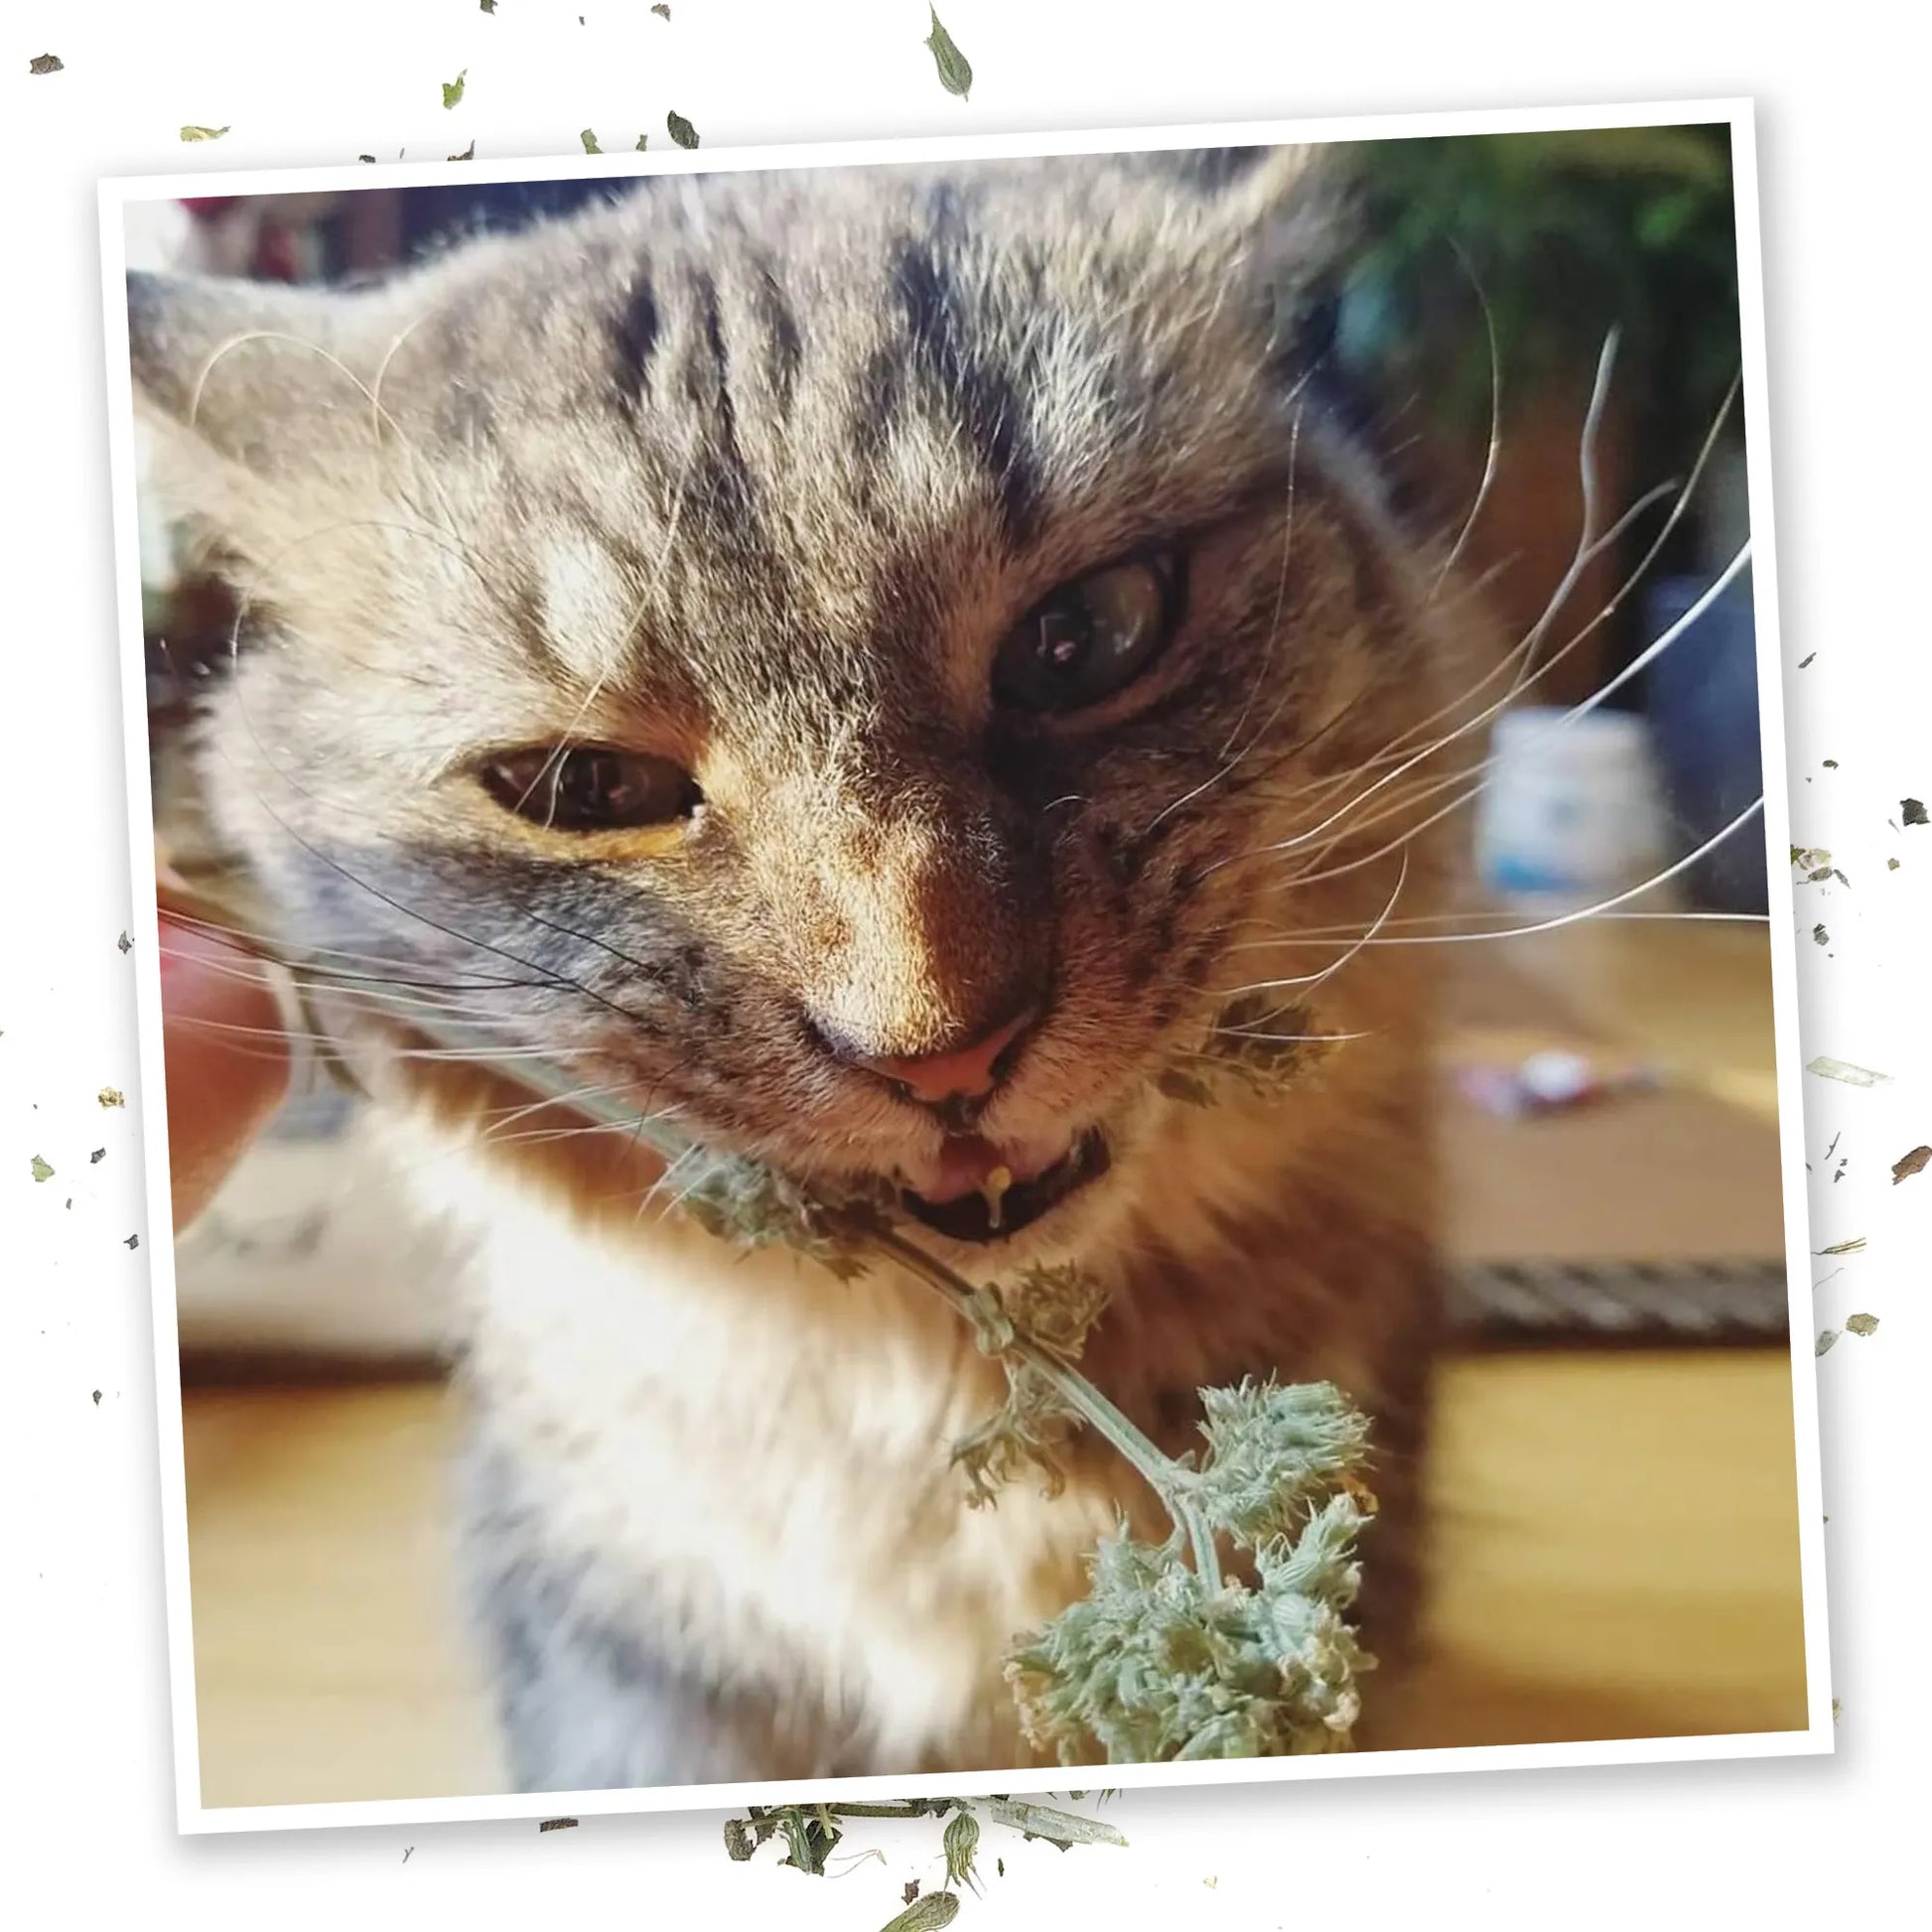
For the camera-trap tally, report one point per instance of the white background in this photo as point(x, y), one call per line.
point(85, 1736)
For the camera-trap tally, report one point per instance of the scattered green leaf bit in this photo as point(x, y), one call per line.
point(41, 1171)
point(46, 64)
point(955, 70)
point(133, 1241)
point(191, 133)
point(1908, 1165)
point(1913, 809)
point(1854, 1246)
point(663, 13)
point(680, 130)
point(1852, 1077)
point(1826, 1338)
point(1861, 1324)
point(558, 1825)
point(1819, 933)
point(926, 1915)
point(961, 1840)
point(468, 153)
point(809, 1834)
point(369, 158)
point(1831, 765)
point(1804, 663)
point(112, 1097)
point(453, 89)
point(125, 943)
point(489, 7)
point(1811, 859)
point(101, 1154)
point(643, 141)
point(1166, 1662)
point(1892, 865)
point(589, 142)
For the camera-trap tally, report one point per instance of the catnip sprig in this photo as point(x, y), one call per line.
point(1165, 1658)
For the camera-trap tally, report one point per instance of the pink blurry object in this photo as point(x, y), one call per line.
point(1549, 1082)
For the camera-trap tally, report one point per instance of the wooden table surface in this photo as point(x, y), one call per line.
point(1617, 1551)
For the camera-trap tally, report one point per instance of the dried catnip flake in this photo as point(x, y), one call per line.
point(1908, 1165)
point(1852, 1077)
point(955, 70)
point(453, 89)
point(112, 1097)
point(193, 133)
point(680, 130)
point(589, 142)
point(1861, 1324)
point(46, 64)
point(41, 1171)
point(1825, 1337)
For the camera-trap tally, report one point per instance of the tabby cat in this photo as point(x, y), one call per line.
point(868, 665)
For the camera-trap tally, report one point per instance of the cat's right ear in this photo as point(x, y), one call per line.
point(244, 392)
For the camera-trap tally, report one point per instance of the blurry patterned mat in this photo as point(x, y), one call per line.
point(1658, 1304)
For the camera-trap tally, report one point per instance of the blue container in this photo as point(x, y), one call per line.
point(1701, 699)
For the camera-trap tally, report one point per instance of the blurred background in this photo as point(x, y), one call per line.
point(1616, 1484)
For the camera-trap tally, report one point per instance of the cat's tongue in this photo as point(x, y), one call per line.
point(967, 1163)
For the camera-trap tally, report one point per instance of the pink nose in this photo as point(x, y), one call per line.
point(967, 1072)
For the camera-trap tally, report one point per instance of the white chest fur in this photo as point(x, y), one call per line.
point(752, 1455)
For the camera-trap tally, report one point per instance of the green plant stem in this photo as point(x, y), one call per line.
point(1164, 1476)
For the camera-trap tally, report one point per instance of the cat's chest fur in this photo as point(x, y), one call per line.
point(743, 1459)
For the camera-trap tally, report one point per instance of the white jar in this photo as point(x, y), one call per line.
point(1571, 813)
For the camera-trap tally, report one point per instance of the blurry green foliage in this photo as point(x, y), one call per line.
point(1563, 236)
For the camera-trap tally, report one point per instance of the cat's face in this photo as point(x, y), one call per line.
point(816, 654)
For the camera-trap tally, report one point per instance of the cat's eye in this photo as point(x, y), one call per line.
point(589, 789)
point(1091, 639)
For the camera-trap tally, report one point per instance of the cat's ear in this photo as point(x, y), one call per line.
point(244, 392)
point(1287, 214)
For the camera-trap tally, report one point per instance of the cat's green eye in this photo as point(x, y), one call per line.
point(1091, 639)
point(589, 789)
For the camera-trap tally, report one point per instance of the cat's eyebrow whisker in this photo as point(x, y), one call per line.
point(1495, 450)
point(373, 397)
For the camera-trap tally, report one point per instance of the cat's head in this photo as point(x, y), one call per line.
point(856, 658)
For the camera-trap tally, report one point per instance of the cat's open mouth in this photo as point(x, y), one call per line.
point(999, 1207)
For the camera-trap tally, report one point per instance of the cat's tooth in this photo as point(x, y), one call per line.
point(993, 1189)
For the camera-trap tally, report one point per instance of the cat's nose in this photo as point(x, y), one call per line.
point(962, 1074)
